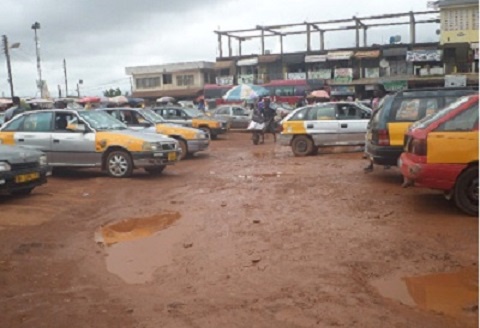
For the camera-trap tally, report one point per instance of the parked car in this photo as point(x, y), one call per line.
point(190, 140)
point(191, 117)
point(386, 130)
point(441, 152)
point(325, 124)
point(238, 117)
point(79, 138)
point(21, 170)
point(2, 118)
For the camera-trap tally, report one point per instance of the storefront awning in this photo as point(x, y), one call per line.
point(394, 52)
point(267, 59)
point(315, 58)
point(294, 59)
point(248, 62)
point(367, 54)
point(224, 64)
point(339, 55)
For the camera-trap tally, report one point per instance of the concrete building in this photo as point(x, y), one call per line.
point(459, 35)
point(178, 80)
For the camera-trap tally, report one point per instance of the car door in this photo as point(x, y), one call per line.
point(36, 132)
point(70, 147)
point(240, 119)
point(321, 124)
point(224, 113)
point(352, 124)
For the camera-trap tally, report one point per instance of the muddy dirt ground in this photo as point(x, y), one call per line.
point(240, 236)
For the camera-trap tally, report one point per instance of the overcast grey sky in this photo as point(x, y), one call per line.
point(99, 38)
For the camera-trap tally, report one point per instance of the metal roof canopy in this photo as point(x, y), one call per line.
point(284, 30)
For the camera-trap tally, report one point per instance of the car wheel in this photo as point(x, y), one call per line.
point(183, 145)
point(22, 192)
point(119, 164)
point(466, 191)
point(155, 170)
point(302, 146)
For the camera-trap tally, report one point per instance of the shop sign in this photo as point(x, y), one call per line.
point(321, 74)
point(343, 75)
point(455, 81)
point(371, 73)
point(395, 85)
point(424, 55)
point(224, 80)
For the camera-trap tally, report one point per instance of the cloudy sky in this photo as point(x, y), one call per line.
point(99, 38)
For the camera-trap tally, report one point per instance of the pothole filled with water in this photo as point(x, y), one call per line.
point(454, 294)
point(136, 247)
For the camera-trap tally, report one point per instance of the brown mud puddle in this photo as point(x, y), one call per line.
point(132, 229)
point(136, 248)
point(453, 294)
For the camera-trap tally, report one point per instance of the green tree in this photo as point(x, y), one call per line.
point(112, 92)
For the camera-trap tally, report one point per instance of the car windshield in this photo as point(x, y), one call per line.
point(192, 112)
point(152, 116)
point(101, 120)
point(427, 120)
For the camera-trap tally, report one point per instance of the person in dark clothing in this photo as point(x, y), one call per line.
point(268, 114)
point(16, 109)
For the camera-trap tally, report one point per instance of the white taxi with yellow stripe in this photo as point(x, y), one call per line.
point(72, 138)
point(325, 124)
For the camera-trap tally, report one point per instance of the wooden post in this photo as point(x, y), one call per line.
point(239, 47)
point(322, 40)
point(365, 36)
point(412, 28)
point(281, 45)
point(263, 41)
point(229, 46)
point(220, 53)
point(357, 32)
point(309, 46)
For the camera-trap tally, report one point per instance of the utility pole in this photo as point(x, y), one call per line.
point(9, 67)
point(59, 91)
point(65, 72)
point(35, 27)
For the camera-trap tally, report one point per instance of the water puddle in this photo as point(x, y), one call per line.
point(453, 294)
point(137, 247)
point(263, 175)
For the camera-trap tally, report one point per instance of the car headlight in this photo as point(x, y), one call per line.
point(4, 166)
point(218, 124)
point(201, 135)
point(42, 160)
point(147, 146)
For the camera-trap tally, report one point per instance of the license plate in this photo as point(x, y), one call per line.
point(27, 177)
point(172, 156)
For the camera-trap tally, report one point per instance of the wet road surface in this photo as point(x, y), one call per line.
point(241, 236)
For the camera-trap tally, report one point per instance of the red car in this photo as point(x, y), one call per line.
point(441, 152)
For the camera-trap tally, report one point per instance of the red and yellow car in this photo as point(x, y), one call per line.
point(441, 152)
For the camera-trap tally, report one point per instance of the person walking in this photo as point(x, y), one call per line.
point(268, 114)
point(15, 110)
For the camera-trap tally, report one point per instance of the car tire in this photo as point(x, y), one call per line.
point(466, 191)
point(183, 145)
point(119, 164)
point(157, 170)
point(22, 192)
point(302, 146)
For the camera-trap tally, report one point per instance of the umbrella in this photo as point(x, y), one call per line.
point(166, 99)
point(119, 100)
point(320, 94)
point(85, 100)
point(246, 91)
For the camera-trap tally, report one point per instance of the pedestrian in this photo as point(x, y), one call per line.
point(201, 105)
point(268, 114)
point(16, 109)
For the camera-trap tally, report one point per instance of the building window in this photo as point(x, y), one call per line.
point(185, 80)
point(148, 83)
point(167, 79)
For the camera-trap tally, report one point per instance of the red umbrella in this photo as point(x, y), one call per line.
point(320, 94)
point(85, 100)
